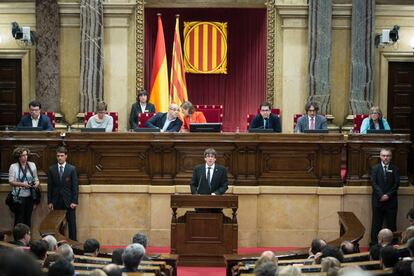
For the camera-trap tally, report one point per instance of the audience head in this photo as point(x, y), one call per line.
point(210, 156)
point(173, 110)
point(389, 256)
point(265, 269)
point(142, 96)
point(402, 268)
point(51, 241)
point(266, 256)
point(132, 256)
point(141, 239)
point(21, 232)
point(112, 270)
point(98, 272)
point(317, 245)
point(91, 246)
point(375, 113)
point(265, 109)
point(374, 252)
point(101, 108)
point(311, 109)
point(61, 267)
point(187, 108)
point(61, 154)
point(408, 234)
point(348, 247)
point(410, 216)
point(39, 249)
point(117, 256)
point(330, 251)
point(330, 265)
point(353, 271)
point(66, 252)
point(385, 236)
point(386, 156)
point(410, 246)
point(16, 262)
point(289, 270)
point(35, 109)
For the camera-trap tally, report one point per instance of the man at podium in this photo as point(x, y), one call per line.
point(209, 178)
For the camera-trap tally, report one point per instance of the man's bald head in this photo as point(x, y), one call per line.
point(385, 237)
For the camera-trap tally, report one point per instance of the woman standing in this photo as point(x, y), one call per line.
point(23, 178)
point(191, 116)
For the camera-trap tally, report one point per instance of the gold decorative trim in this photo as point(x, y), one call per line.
point(270, 55)
point(139, 43)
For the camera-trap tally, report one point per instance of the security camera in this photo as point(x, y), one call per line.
point(395, 33)
point(388, 37)
point(23, 35)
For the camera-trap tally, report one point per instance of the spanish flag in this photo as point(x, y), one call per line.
point(159, 75)
point(178, 85)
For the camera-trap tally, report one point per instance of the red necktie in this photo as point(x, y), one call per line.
point(312, 123)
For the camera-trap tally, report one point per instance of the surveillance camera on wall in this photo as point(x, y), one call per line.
point(23, 35)
point(388, 37)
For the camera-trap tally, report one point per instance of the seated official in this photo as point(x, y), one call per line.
point(35, 118)
point(209, 178)
point(101, 119)
point(191, 116)
point(266, 119)
point(312, 120)
point(140, 106)
point(166, 122)
point(374, 121)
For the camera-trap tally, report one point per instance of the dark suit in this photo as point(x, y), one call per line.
point(384, 210)
point(44, 122)
point(303, 123)
point(135, 109)
point(158, 121)
point(199, 183)
point(273, 122)
point(62, 192)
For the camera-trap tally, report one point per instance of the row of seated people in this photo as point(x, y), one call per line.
point(55, 258)
point(384, 258)
point(142, 111)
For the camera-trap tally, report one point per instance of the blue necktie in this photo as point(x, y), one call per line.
point(60, 172)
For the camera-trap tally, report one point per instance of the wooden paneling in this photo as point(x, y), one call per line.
point(169, 158)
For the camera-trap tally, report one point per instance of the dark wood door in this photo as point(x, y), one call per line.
point(401, 102)
point(10, 91)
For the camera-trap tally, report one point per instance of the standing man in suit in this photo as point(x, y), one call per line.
point(209, 178)
point(35, 118)
point(266, 119)
point(140, 106)
point(62, 189)
point(166, 122)
point(385, 179)
point(312, 120)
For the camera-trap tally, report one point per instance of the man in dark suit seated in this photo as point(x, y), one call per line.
point(35, 118)
point(209, 178)
point(266, 119)
point(140, 106)
point(21, 235)
point(312, 120)
point(385, 180)
point(62, 189)
point(166, 122)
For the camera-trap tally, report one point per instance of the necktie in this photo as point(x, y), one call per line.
point(385, 173)
point(312, 123)
point(209, 176)
point(60, 171)
point(265, 123)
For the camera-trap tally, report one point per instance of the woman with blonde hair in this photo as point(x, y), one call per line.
point(191, 116)
point(374, 121)
point(101, 119)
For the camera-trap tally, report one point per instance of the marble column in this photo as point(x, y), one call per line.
point(362, 56)
point(91, 55)
point(319, 39)
point(47, 54)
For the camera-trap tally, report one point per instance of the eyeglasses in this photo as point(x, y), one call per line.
point(377, 113)
point(311, 110)
point(265, 110)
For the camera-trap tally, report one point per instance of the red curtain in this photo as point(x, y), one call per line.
point(242, 89)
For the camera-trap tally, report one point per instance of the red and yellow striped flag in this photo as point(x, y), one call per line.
point(159, 74)
point(178, 85)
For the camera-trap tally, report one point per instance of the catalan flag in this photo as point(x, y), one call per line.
point(159, 75)
point(205, 47)
point(178, 85)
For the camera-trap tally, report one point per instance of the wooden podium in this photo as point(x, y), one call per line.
point(201, 237)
